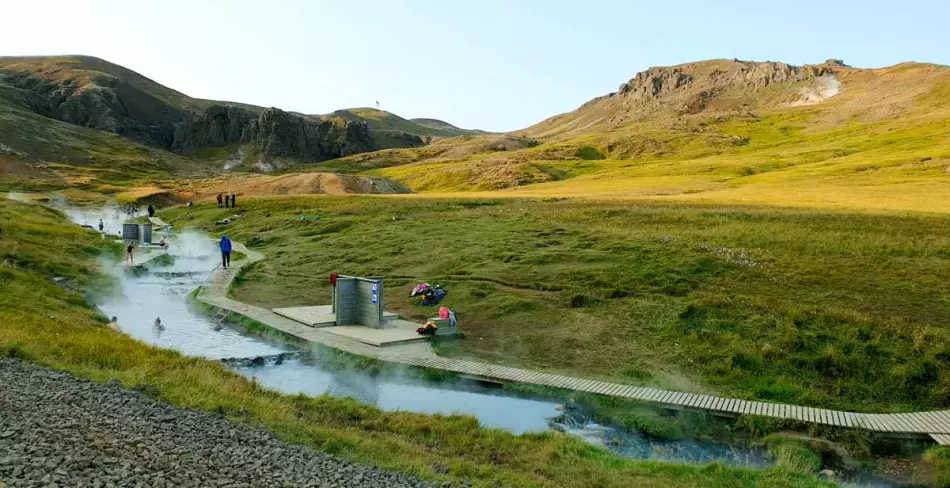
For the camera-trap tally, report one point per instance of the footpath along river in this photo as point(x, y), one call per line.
point(162, 292)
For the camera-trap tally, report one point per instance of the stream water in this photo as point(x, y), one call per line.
point(162, 292)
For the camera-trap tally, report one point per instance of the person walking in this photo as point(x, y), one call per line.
point(225, 246)
point(219, 200)
point(151, 211)
point(129, 251)
point(102, 225)
point(233, 200)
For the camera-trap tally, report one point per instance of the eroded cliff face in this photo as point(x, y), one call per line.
point(105, 103)
point(716, 86)
point(177, 123)
point(274, 132)
point(656, 83)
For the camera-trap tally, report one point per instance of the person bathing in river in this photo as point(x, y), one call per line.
point(225, 245)
point(163, 243)
point(129, 251)
point(158, 324)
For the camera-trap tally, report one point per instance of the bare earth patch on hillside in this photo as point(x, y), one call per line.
point(287, 184)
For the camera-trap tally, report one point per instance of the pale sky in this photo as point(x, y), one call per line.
point(489, 64)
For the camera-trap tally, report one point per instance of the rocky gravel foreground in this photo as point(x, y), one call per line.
point(59, 430)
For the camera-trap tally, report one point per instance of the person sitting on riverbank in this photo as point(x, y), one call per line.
point(225, 246)
point(129, 251)
point(163, 243)
point(114, 324)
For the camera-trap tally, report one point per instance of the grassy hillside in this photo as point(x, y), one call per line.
point(92, 93)
point(843, 310)
point(87, 72)
point(382, 120)
point(37, 152)
point(443, 125)
point(882, 141)
point(53, 325)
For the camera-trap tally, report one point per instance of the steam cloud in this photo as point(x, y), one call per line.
point(825, 87)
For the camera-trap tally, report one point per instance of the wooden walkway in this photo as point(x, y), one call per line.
point(936, 424)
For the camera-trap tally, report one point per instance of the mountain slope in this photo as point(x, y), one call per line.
point(36, 151)
point(442, 125)
point(382, 120)
point(96, 94)
point(721, 131)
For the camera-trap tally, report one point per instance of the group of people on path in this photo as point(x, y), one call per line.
point(227, 201)
point(131, 211)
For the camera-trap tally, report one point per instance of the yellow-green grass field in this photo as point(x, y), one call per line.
point(784, 158)
point(832, 309)
point(48, 324)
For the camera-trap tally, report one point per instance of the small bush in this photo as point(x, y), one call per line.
point(748, 362)
point(14, 351)
point(580, 301)
point(649, 425)
point(793, 454)
point(939, 459)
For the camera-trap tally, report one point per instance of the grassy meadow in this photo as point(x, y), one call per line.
point(783, 158)
point(53, 325)
point(832, 309)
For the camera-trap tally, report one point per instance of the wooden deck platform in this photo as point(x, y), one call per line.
point(394, 333)
point(319, 315)
point(936, 424)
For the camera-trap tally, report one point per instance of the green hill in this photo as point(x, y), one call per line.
point(38, 94)
point(382, 120)
point(445, 126)
point(720, 131)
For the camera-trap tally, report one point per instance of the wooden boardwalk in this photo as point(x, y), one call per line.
point(936, 424)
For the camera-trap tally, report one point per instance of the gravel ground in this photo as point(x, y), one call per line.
point(58, 430)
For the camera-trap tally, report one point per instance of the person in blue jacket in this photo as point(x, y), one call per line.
point(225, 245)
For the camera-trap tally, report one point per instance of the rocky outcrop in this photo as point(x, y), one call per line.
point(719, 86)
point(274, 132)
point(656, 83)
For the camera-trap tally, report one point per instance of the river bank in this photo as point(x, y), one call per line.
point(61, 430)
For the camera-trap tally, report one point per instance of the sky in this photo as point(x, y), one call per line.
point(495, 65)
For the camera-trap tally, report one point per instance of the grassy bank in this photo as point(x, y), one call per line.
point(842, 310)
point(43, 322)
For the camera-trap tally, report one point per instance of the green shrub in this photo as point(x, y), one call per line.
point(939, 459)
point(793, 454)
